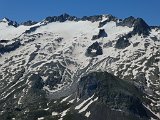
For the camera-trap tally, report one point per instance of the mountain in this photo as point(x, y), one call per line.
point(9, 22)
point(91, 68)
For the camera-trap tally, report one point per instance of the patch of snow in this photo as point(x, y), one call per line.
point(46, 109)
point(64, 99)
point(63, 114)
point(85, 101)
point(88, 114)
point(54, 113)
point(41, 118)
point(71, 101)
point(86, 107)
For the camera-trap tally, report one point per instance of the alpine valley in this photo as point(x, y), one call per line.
point(68, 68)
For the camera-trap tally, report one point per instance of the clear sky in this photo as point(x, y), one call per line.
point(23, 10)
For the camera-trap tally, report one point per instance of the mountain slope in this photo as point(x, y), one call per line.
point(41, 63)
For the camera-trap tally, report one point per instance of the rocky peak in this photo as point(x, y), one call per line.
point(141, 27)
point(109, 18)
point(5, 20)
point(129, 22)
point(92, 18)
point(101, 34)
point(9, 22)
point(29, 23)
point(62, 18)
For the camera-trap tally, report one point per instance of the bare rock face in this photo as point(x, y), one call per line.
point(141, 27)
point(94, 18)
point(109, 19)
point(113, 93)
point(29, 23)
point(36, 81)
point(101, 34)
point(32, 29)
point(94, 50)
point(61, 18)
point(9, 47)
point(10, 22)
point(122, 43)
point(129, 22)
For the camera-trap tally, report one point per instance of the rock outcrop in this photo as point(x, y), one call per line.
point(101, 34)
point(29, 23)
point(62, 18)
point(10, 47)
point(109, 19)
point(113, 93)
point(94, 50)
point(122, 43)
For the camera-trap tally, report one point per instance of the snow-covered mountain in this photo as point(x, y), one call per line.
point(64, 68)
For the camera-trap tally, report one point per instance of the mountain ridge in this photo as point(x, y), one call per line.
point(72, 17)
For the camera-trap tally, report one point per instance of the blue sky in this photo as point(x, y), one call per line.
point(23, 10)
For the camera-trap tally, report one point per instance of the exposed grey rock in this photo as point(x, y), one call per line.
point(101, 34)
point(29, 23)
point(141, 27)
point(94, 46)
point(122, 43)
point(109, 44)
point(113, 93)
point(36, 81)
point(94, 18)
point(59, 39)
point(10, 22)
point(32, 29)
point(4, 41)
point(129, 22)
point(110, 18)
point(62, 18)
point(10, 47)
